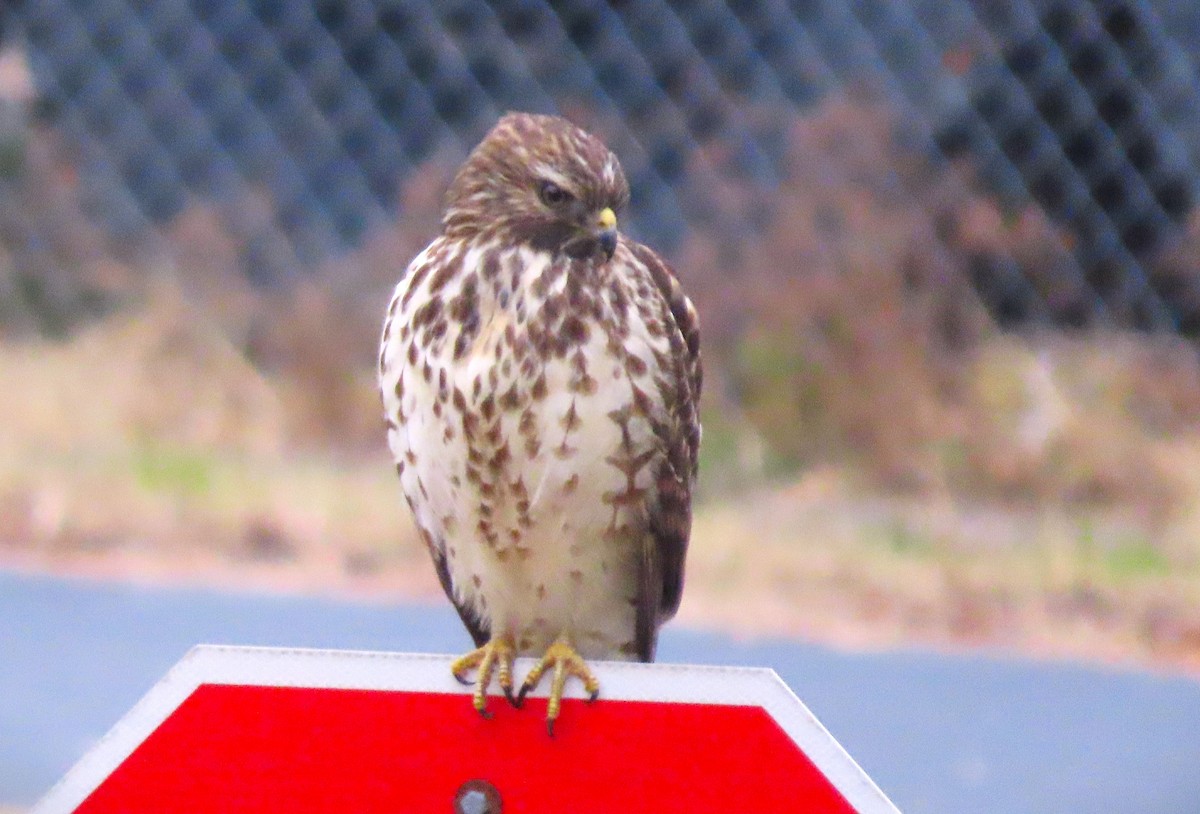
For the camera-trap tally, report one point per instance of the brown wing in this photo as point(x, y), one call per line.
point(670, 514)
point(688, 322)
point(470, 617)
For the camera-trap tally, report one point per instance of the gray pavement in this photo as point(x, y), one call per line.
point(938, 733)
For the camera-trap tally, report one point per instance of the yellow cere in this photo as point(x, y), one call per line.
point(608, 218)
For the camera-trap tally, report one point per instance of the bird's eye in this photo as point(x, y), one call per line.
point(552, 194)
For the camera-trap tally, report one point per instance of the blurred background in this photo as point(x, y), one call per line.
point(945, 255)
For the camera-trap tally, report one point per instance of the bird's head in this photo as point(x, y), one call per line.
point(543, 182)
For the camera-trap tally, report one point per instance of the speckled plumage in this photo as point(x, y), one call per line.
point(541, 400)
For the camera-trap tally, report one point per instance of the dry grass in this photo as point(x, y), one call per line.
point(149, 442)
point(823, 560)
point(147, 447)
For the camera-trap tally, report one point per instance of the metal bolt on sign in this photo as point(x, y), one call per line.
point(477, 797)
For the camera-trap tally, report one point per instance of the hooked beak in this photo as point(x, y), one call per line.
point(607, 233)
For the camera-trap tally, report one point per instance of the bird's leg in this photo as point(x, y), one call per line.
point(566, 663)
point(494, 657)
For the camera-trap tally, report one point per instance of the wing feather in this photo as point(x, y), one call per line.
point(660, 581)
point(479, 631)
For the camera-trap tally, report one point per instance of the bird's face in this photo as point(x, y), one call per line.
point(542, 182)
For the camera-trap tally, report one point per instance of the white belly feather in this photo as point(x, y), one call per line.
point(546, 538)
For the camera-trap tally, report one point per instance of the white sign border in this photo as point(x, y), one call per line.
point(417, 672)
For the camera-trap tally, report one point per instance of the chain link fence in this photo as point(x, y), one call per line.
point(855, 193)
point(300, 124)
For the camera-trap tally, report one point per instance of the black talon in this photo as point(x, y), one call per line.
point(594, 695)
point(466, 682)
point(516, 701)
point(550, 726)
point(525, 688)
point(486, 714)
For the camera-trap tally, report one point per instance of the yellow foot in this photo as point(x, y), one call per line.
point(566, 662)
point(497, 653)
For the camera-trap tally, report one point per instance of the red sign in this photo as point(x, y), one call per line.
point(288, 731)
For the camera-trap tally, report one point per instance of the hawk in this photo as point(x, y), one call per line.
point(540, 375)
